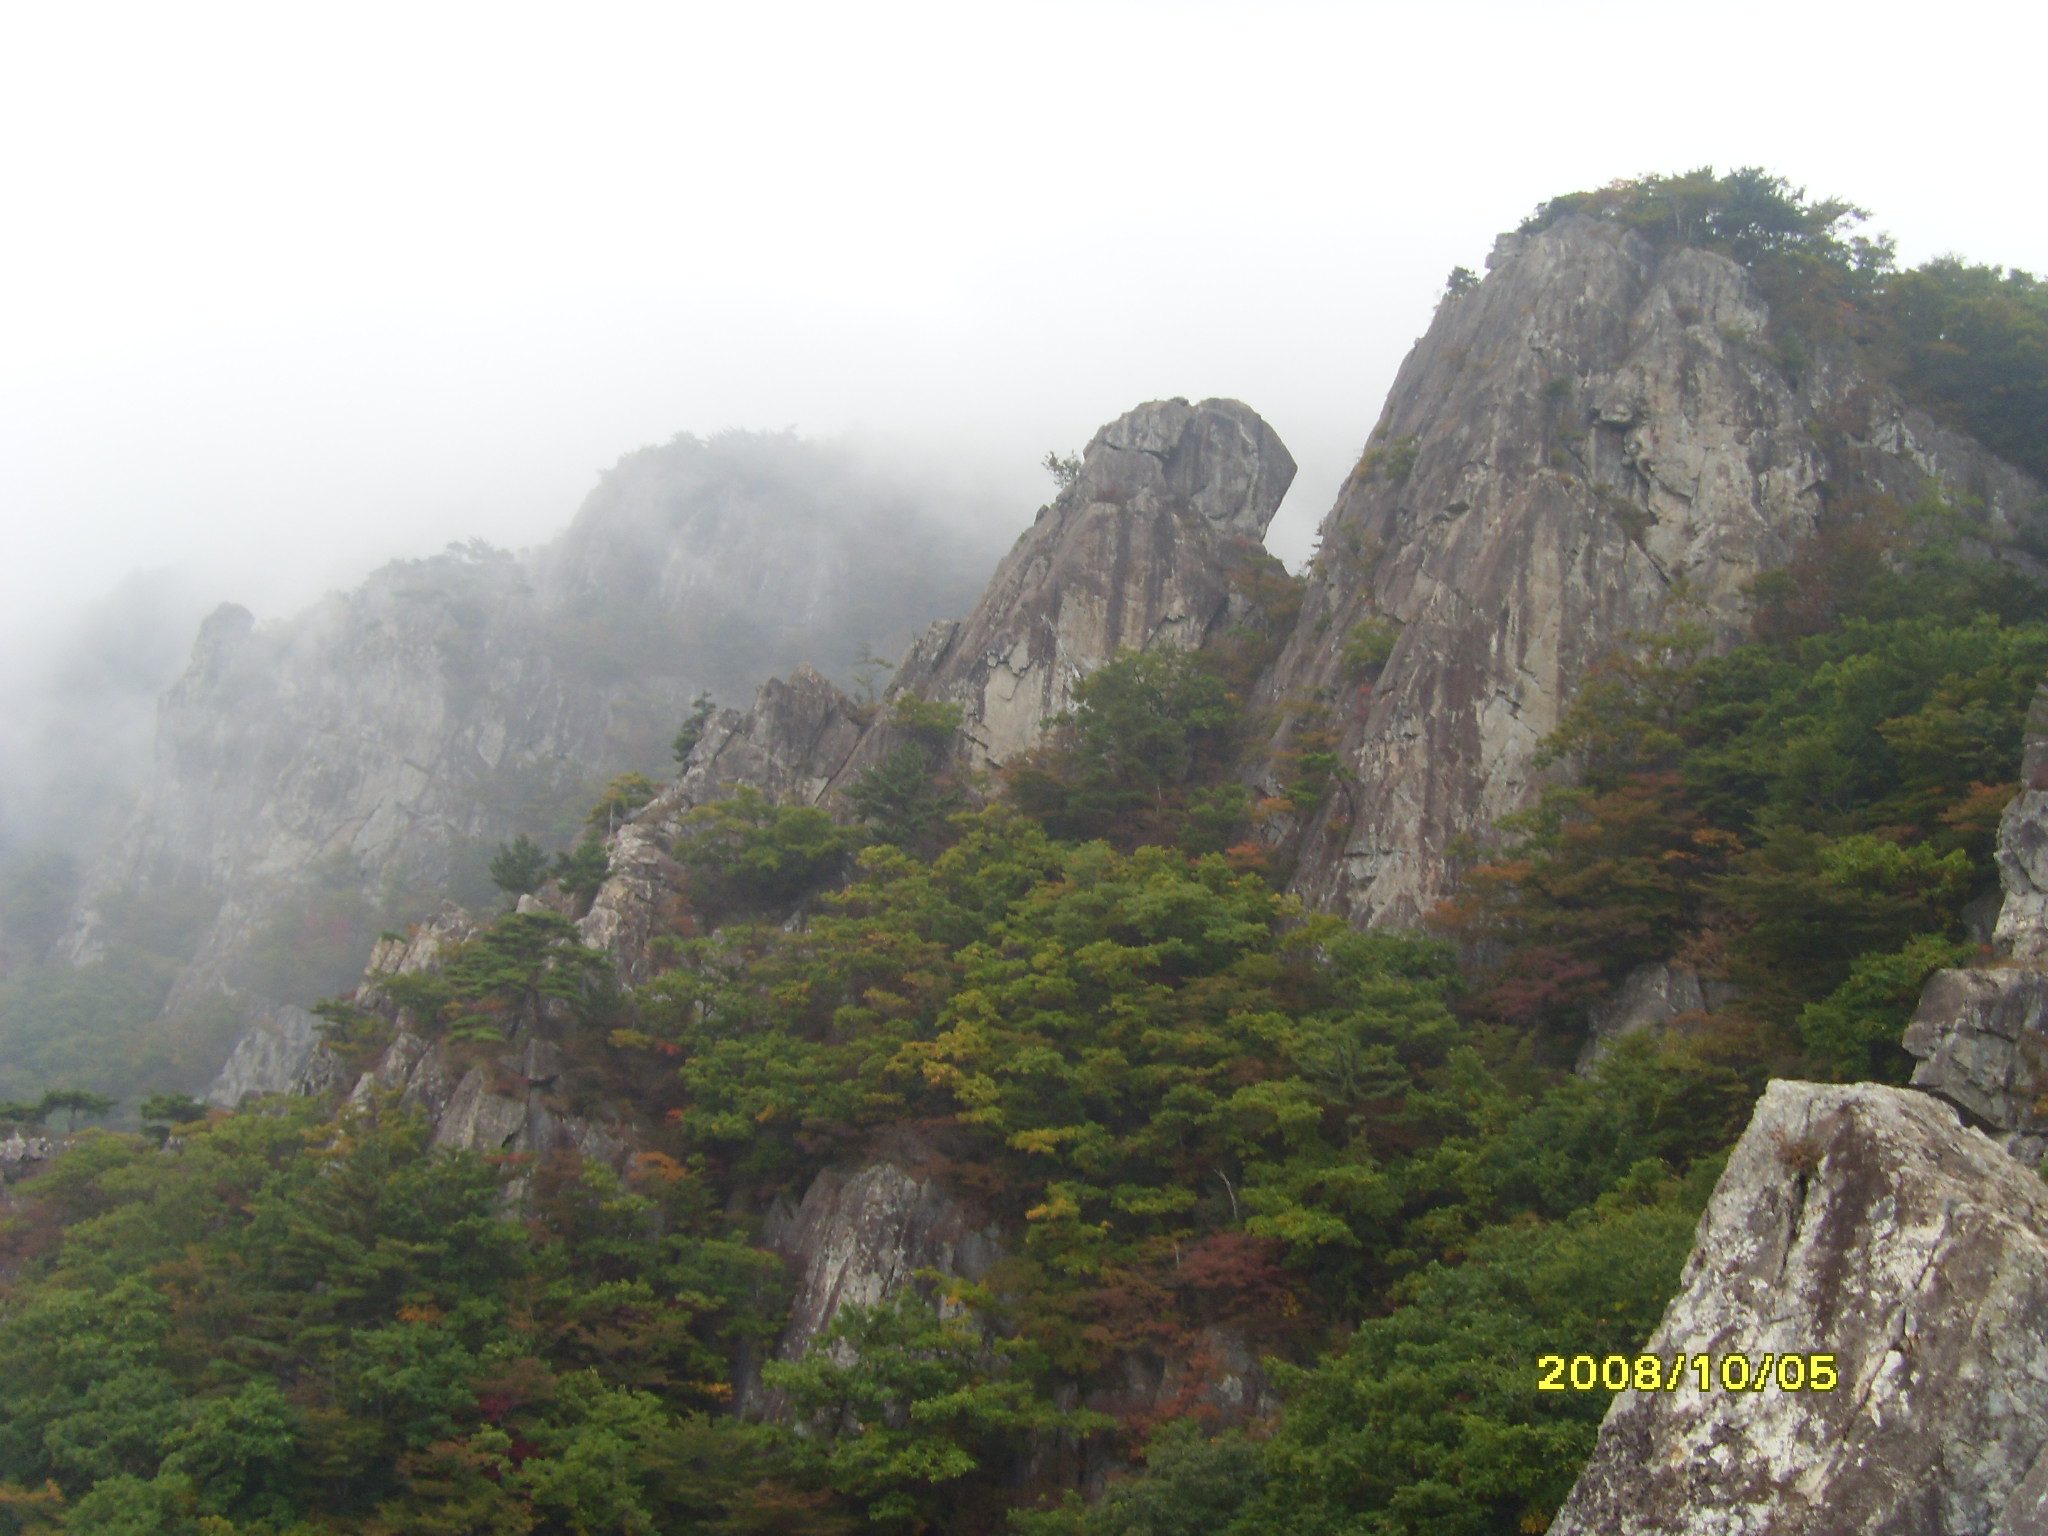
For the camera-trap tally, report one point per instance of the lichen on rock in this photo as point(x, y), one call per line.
point(1865, 1223)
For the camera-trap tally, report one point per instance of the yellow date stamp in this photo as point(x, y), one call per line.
point(1733, 1372)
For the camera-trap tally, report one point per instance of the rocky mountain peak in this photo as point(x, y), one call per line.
point(1218, 461)
point(221, 633)
point(337, 771)
point(1138, 552)
point(1602, 437)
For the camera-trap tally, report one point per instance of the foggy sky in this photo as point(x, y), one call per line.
point(292, 289)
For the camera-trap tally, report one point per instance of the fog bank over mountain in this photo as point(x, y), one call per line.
point(79, 696)
point(294, 292)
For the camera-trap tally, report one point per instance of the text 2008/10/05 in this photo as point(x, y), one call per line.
point(1652, 1373)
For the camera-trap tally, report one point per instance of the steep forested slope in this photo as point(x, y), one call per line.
point(889, 1125)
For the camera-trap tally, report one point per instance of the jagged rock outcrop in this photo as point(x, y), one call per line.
point(358, 744)
point(499, 1104)
point(283, 1053)
point(1870, 1223)
point(1649, 997)
point(795, 740)
point(1982, 1035)
point(1138, 552)
point(2022, 930)
point(477, 1098)
point(341, 766)
point(1867, 1223)
point(860, 1236)
point(1601, 437)
point(22, 1155)
point(1144, 549)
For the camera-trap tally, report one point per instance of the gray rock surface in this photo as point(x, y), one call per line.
point(1598, 439)
point(1866, 1222)
point(281, 1053)
point(797, 737)
point(860, 1236)
point(1982, 1035)
point(1138, 552)
point(1649, 996)
point(474, 1099)
point(477, 1099)
point(2022, 929)
point(1141, 550)
point(356, 746)
point(22, 1155)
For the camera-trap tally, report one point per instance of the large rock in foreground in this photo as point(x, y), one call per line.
point(1867, 1223)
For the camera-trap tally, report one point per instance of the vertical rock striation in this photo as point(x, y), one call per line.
point(861, 1235)
point(283, 1053)
point(1600, 438)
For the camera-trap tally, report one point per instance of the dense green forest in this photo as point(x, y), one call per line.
point(1201, 1110)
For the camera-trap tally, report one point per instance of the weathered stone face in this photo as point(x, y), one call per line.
point(1867, 1223)
point(283, 1053)
point(1136, 553)
point(1598, 439)
point(1982, 1037)
point(22, 1155)
point(1649, 997)
point(860, 1236)
point(503, 1102)
point(790, 745)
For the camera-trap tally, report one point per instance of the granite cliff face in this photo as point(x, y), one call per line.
point(859, 1236)
point(516, 1095)
point(352, 765)
point(361, 746)
point(1600, 437)
point(1147, 547)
